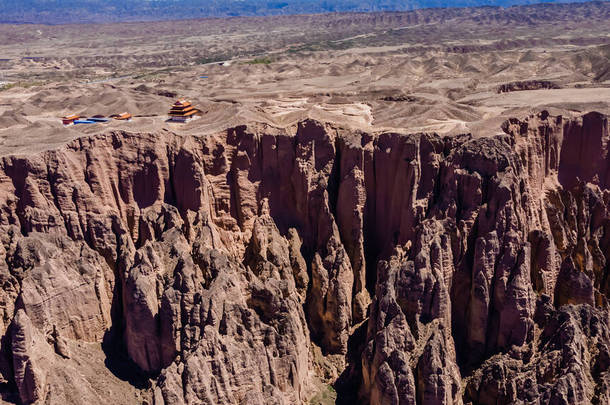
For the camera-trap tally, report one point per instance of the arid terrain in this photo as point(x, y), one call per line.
point(375, 208)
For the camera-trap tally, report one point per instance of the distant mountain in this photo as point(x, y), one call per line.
point(75, 11)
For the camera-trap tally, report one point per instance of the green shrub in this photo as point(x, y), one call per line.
point(259, 61)
point(24, 85)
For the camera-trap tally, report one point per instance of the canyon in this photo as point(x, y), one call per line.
point(373, 208)
point(257, 264)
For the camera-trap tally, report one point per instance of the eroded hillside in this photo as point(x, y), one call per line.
point(251, 265)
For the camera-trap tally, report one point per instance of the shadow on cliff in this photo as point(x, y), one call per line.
point(119, 363)
point(113, 345)
point(8, 389)
point(347, 385)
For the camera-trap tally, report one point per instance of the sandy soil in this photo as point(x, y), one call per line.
point(390, 71)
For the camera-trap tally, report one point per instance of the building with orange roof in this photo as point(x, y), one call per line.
point(69, 119)
point(183, 111)
point(122, 117)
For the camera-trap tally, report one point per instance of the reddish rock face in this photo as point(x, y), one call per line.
point(425, 269)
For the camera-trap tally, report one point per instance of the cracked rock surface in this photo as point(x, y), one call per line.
point(253, 265)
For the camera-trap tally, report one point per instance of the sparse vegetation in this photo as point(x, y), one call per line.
point(326, 396)
point(260, 61)
point(7, 86)
point(213, 59)
point(322, 46)
point(527, 85)
point(152, 74)
point(24, 85)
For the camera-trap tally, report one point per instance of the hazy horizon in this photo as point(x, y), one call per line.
point(100, 11)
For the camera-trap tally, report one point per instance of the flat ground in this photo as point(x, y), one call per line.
point(429, 70)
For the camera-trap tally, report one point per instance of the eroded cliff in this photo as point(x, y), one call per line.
point(248, 266)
